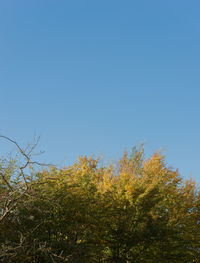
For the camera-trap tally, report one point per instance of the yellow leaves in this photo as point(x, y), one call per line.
point(130, 202)
point(155, 165)
point(154, 185)
point(156, 171)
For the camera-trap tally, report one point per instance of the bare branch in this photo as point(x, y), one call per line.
point(6, 181)
point(17, 145)
point(8, 200)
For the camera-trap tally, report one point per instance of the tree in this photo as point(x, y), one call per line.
point(137, 210)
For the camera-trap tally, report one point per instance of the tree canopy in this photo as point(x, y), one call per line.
point(135, 210)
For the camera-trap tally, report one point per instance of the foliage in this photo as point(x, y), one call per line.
point(136, 211)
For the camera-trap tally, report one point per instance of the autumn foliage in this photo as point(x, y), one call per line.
point(135, 210)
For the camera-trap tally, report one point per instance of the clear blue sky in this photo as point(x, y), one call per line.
point(99, 76)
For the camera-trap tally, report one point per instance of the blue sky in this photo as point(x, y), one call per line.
point(101, 76)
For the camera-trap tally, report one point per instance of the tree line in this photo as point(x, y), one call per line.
point(135, 210)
